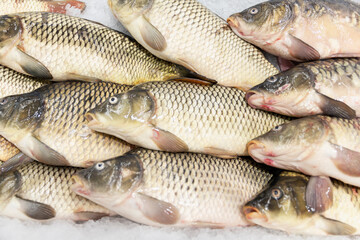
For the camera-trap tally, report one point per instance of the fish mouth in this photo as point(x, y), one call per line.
point(233, 23)
point(254, 99)
point(257, 150)
point(92, 120)
point(78, 186)
point(252, 213)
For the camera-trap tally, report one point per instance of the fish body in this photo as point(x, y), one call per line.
point(49, 126)
point(296, 203)
point(187, 33)
point(178, 116)
point(173, 189)
point(12, 83)
point(329, 87)
point(317, 146)
point(302, 30)
point(40, 192)
point(60, 6)
point(60, 47)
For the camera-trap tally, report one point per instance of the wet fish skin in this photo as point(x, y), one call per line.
point(301, 30)
point(178, 116)
point(328, 87)
point(59, 47)
point(187, 33)
point(40, 192)
point(317, 146)
point(173, 189)
point(49, 126)
point(285, 205)
point(60, 6)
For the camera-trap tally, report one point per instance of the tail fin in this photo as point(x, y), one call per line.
point(60, 6)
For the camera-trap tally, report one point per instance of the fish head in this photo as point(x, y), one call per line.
point(10, 30)
point(282, 93)
point(287, 145)
point(122, 114)
point(110, 182)
point(260, 22)
point(127, 10)
point(282, 205)
point(20, 112)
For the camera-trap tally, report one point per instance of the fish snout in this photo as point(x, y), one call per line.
point(253, 99)
point(78, 186)
point(256, 149)
point(233, 23)
point(252, 213)
point(92, 119)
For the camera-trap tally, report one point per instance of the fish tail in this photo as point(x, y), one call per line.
point(60, 6)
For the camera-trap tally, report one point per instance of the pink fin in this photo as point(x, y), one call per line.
point(285, 64)
point(60, 6)
point(302, 51)
point(158, 211)
point(347, 161)
point(319, 194)
point(166, 141)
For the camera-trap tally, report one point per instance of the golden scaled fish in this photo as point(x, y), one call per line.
point(49, 125)
point(302, 30)
point(11, 83)
point(40, 192)
point(317, 146)
point(295, 203)
point(60, 47)
point(187, 33)
point(173, 189)
point(178, 116)
point(329, 87)
point(58, 6)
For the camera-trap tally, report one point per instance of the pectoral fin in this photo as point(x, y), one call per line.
point(166, 141)
point(334, 227)
point(74, 76)
point(221, 153)
point(31, 66)
point(158, 211)
point(302, 51)
point(319, 194)
point(152, 36)
point(195, 81)
point(347, 160)
point(45, 154)
point(36, 210)
point(14, 162)
point(85, 216)
point(332, 107)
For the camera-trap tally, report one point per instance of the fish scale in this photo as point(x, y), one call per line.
point(197, 39)
point(74, 48)
point(47, 185)
point(60, 6)
point(204, 190)
point(209, 116)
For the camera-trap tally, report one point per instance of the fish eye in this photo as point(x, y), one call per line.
point(100, 166)
point(253, 11)
point(277, 128)
point(276, 193)
point(272, 79)
point(3, 101)
point(113, 100)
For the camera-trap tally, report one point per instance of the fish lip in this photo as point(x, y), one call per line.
point(92, 119)
point(252, 213)
point(232, 23)
point(249, 96)
point(78, 186)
